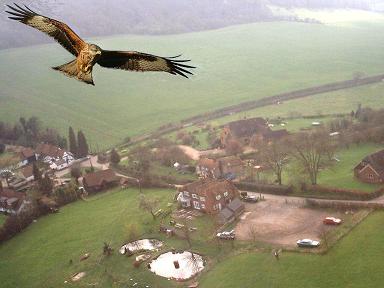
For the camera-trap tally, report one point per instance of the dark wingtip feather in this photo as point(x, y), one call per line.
point(179, 69)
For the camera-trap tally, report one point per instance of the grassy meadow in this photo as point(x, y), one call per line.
point(341, 174)
point(234, 64)
point(41, 255)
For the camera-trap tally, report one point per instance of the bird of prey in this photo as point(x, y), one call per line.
point(87, 55)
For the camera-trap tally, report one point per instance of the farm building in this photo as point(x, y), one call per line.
point(27, 156)
point(250, 132)
point(27, 172)
point(243, 130)
point(100, 180)
point(11, 202)
point(371, 168)
point(220, 168)
point(207, 195)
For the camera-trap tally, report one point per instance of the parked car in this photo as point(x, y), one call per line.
point(250, 198)
point(308, 243)
point(332, 221)
point(226, 235)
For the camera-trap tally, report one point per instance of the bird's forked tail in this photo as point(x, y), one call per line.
point(71, 69)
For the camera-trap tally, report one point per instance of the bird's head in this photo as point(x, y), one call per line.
point(95, 50)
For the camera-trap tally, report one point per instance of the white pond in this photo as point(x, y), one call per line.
point(141, 245)
point(178, 266)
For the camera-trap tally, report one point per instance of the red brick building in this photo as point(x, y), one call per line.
point(207, 195)
point(371, 169)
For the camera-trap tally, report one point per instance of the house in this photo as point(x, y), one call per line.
point(371, 168)
point(250, 131)
point(60, 164)
point(12, 202)
point(220, 168)
point(27, 172)
point(100, 180)
point(50, 153)
point(27, 156)
point(207, 195)
point(208, 168)
point(243, 130)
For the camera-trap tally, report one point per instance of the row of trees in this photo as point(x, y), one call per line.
point(29, 132)
point(78, 146)
point(310, 150)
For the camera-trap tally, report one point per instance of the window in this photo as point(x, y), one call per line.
point(218, 197)
point(186, 193)
point(370, 176)
point(202, 206)
point(195, 196)
point(225, 194)
point(202, 199)
point(196, 205)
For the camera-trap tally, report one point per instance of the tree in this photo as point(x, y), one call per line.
point(274, 156)
point(233, 147)
point(36, 172)
point(46, 184)
point(82, 145)
point(115, 157)
point(76, 172)
point(149, 205)
point(310, 149)
point(140, 159)
point(72, 142)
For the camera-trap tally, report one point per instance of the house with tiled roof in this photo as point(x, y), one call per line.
point(207, 195)
point(100, 180)
point(27, 156)
point(220, 168)
point(27, 173)
point(371, 168)
point(12, 202)
point(243, 130)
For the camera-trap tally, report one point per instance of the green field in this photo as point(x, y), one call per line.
point(233, 65)
point(354, 262)
point(40, 256)
point(341, 175)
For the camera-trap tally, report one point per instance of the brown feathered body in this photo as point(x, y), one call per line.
point(87, 55)
point(81, 68)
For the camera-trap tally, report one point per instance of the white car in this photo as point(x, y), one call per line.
point(227, 235)
point(308, 243)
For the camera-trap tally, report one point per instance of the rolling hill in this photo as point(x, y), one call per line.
point(234, 64)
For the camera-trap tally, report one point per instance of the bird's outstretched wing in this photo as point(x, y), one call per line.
point(136, 61)
point(56, 29)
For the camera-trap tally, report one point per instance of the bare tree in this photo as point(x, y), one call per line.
point(275, 156)
point(149, 205)
point(310, 149)
point(252, 232)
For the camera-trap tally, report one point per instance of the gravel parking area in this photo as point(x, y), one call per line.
point(281, 221)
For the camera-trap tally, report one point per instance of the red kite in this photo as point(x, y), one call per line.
point(87, 55)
